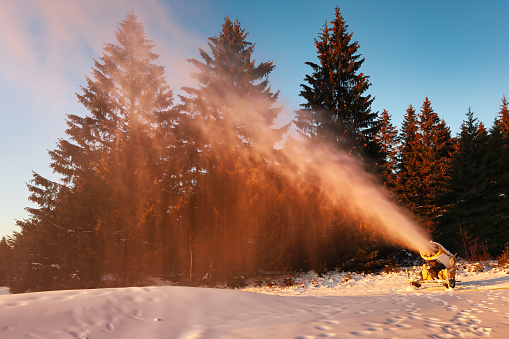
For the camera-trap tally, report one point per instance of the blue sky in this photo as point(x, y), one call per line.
point(454, 52)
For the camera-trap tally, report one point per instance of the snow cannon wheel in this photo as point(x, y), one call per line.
point(452, 283)
point(415, 283)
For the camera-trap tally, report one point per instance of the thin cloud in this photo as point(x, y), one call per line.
point(49, 45)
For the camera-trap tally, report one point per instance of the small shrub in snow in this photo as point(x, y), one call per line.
point(269, 283)
point(503, 259)
point(391, 268)
point(288, 282)
point(236, 282)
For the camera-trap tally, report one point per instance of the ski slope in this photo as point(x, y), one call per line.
point(337, 305)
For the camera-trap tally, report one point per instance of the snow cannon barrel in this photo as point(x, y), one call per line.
point(440, 254)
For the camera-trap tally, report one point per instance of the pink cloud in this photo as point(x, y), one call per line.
point(49, 45)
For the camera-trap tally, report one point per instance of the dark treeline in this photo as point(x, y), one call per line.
point(191, 189)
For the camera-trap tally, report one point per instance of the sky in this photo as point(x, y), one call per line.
point(454, 52)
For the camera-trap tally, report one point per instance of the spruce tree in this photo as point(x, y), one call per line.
point(40, 250)
point(336, 106)
point(337, 111)
point(388, 141)
point(423, 164)
point(496, 233)
point(5, 262)
point(230, 85)
point(408, 179)
point(435, 148)
point(231, 110)
point(129, 104)
point(103, 218)
point(502, 121)
point(465, 196)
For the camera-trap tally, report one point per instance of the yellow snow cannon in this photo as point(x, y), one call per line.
point(439, 268)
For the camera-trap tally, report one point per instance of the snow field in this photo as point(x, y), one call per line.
point(335, 305)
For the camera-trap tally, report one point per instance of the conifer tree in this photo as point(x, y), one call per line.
point(43, 243)
point(230, 84)
point(435, 148)
point(337, 107)
point(5, 262)
point(498, 182)
point(103, 216)
point(426, 148)
point(465, 195)
point(129, 103)
point(337, 110)
point(387, 139)
point(230, 109)
point(502, 121)
point(408, 180)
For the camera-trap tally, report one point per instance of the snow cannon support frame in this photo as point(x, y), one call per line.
point(439, 268)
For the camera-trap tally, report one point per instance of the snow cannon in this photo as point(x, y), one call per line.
point(439, 268)
point(441, 255)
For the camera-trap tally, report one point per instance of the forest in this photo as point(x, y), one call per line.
point(201, 188)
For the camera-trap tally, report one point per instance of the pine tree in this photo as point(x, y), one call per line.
point(5, 262)
point(408, 180)
point(230, 87)
point(387, 139)
point(103, 216)
point(502, 120)
point(465, 196)
point(425, 151)
point(129, 103)
point(231, 110)
point(498, 183)
point(38, 251)
point(435, 148)
point(337, 108)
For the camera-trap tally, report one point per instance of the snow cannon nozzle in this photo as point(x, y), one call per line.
point(439, 253)
point(429, 248)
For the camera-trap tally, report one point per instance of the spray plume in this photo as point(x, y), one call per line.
point(339, 179)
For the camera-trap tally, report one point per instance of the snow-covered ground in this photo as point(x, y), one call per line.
point(335, 305)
